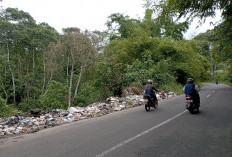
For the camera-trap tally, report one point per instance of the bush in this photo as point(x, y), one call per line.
point(221, 75)
point(174, 87)
point(109, 78)
point(6, 110)
point(2, 102)
point(87, 94)
point(229, 73)
point(55, 97)
point(29, 103)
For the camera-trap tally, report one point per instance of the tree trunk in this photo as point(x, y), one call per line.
point(8, 52)
point(79, 80)
point(5, 94)
point(52, 70)
point(20, 64)
point(44, 79)
point(70, 87)
point(67, 70)
point(13, 81)
point(33, 59)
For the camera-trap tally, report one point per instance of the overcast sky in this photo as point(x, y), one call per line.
point(85, 14)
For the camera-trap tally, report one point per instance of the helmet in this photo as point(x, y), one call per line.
point(190, 80)
point(149, 81)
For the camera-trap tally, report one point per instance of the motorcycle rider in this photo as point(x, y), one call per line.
point(191, 89)
point(149, 90)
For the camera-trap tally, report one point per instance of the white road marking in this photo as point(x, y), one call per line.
point(208, 96)
point(139, 135)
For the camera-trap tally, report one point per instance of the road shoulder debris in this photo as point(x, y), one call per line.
point(35, 121)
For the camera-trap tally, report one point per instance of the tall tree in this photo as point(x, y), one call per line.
point(77, 50)
point(163, 20)
point(201, 8)
point(22, 42)
point(204, 9)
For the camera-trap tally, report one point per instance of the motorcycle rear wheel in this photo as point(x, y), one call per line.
point(147, 107)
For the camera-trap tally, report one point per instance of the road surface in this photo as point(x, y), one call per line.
point(169, 131)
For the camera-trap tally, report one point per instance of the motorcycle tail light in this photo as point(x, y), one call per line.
point(188, 98)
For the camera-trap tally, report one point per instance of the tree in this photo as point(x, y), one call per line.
point(201, 8)
point(99, 40)
point(204, 9)
point(165, 23)
point(76, 49)
point(120, 26)
point(21, 43)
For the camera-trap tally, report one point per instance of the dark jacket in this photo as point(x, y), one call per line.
point(190, 89)
point(149, 89)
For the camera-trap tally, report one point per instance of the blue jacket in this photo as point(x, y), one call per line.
point(190, 89)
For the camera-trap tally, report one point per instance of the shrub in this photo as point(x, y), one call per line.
point(55, 97)
point(6, 110)
point(29, 103)
point(87, 94)
point(174, 87)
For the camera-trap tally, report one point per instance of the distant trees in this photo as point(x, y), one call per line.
point(22, 42)
point(155, 49)
point(222, 32)
point(41, 68)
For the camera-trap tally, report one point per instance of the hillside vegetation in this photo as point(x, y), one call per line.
point(41, 68)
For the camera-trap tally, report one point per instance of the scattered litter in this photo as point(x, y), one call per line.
point(34, 120)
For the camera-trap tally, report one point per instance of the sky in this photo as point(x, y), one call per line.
point(88, 14)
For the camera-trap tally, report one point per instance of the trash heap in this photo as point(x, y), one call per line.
point(34, 120)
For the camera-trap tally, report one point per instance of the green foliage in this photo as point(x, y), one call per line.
point(28, 104)
point(190, 61)
point(164, 25)
point(221, 75)
point(173, 86)
point(221, 35)
point(138, 50)
point(87, 94)
point(168, 27)
point(201, 8)
point(6, 110)
point(163, 60)
point(2, 102)
point(55, 97)
point(125, 27)
point(110, 78)
point(18, 16)
point(139, 72)
point(163, 76)
point(229, 73)
point(70, 30)
point(21, 44)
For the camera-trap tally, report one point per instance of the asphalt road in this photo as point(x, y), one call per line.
point(169, 131)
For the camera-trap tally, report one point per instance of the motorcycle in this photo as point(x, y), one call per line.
point(191, 105)
point(150, 103)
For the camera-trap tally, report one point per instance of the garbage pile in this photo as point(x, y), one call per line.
point(34, 120)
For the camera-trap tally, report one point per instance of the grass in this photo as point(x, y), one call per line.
point(177, 88)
